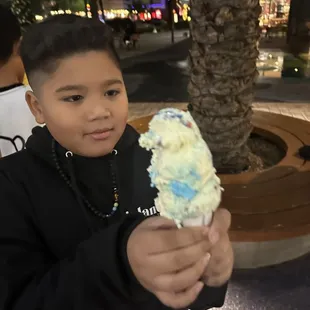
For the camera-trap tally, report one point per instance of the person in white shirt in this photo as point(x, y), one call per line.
point(16, 120)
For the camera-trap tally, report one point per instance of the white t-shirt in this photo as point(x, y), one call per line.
point(15, 118)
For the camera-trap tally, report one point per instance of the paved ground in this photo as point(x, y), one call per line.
point(152, 84)
point(298, 110)
point(282, 287)
point(285, 91)
point(162, 76)
point(150, 42)
point(274, 43)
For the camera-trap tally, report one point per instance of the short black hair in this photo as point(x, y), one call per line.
point(60, 36)
point(10, 33)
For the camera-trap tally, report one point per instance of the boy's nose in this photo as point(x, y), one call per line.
point(98, 111)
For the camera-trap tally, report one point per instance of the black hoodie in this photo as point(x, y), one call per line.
point(55, 253)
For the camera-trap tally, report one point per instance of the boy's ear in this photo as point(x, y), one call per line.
point(35, 107)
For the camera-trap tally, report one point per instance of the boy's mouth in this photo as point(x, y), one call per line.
point(101, 134)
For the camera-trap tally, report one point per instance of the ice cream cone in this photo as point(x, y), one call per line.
point(203, 220)
point(181, 169)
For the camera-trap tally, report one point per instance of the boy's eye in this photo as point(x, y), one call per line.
point(111, 93)
point(74, 98)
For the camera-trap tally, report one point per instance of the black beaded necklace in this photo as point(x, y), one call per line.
point(94, 210)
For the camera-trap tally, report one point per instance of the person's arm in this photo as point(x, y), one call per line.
point(92, 278)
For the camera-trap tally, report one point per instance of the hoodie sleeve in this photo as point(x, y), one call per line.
point(210, 297)
point(32, 278)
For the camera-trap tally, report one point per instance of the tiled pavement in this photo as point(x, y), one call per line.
point(298, 110)
point(150, 42)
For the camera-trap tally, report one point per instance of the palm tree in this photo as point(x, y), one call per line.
point(222, 74)
point(23, 12)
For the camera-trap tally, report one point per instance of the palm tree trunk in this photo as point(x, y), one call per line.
point(223, 71)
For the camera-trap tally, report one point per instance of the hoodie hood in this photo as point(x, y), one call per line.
point(89, 178)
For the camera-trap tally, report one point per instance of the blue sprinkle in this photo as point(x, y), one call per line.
point(182, 190)
point(153, 175)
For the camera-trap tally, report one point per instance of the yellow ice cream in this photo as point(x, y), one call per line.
point(181, 168)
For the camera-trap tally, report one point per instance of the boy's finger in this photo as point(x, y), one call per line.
point(160, 222)
point(166, 240)
point(179, 259)
point(221, 220)
point(180, 281)
point(220, 224)
point(180, 300)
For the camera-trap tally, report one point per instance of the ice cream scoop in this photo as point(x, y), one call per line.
point(181, 169)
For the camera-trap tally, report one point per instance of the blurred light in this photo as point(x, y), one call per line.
point(175, 17)
point(296, 70)
point(158, 14)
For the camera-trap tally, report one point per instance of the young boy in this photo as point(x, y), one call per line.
point(16, 121)
point(71, 236)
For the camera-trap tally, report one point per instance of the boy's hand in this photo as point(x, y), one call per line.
point(220, 267)
point(169, 262)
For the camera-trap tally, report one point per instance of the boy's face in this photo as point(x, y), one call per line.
point(84, 104)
